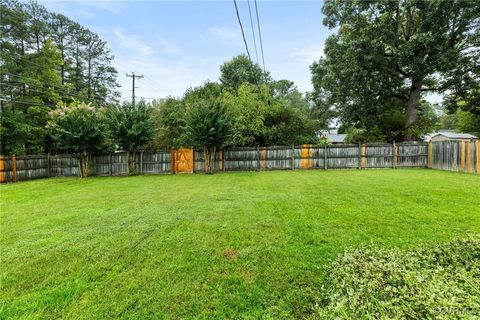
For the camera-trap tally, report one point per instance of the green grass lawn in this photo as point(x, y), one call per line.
point(234, 245)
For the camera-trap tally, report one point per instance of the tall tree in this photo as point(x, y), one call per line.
point(242, 70)
point(388, 54)
point(130, 127)
point(78, 129)
point(208, 125)
point(48, 60)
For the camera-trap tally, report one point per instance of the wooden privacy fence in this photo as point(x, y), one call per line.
point(319, 157)
point(344, 156)
point(461, 156)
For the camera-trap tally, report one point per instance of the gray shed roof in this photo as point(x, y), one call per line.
point(453, 135)
point(336, 137)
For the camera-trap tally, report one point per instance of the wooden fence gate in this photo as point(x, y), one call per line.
point(182, 160)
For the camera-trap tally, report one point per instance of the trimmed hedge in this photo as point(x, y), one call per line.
point(440, 281)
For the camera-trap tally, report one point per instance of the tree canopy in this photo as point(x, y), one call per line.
point(48, 60)
point(240, 70)
point(130, 127)
point(386, 55)
point(78, 129)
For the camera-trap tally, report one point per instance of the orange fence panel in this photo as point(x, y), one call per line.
point(182, 160)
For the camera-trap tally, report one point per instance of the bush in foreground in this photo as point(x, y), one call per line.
point(440, 281)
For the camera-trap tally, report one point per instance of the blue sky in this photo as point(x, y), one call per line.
point(178, 44)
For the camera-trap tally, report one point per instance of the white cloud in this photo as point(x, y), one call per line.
point(307, 55)
point(223, 33)
point(166, 46)
point(132, 42)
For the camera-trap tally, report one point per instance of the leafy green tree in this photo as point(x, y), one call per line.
point(283, 121)
point(208, 126)
point(130, 127)
point(168, 115)
point(47, 60)
point(78, 129)
point(241, 70)
point(387, 54)
point(14, 132)
point(467, 122)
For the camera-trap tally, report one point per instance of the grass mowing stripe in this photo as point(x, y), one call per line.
point(233, 245)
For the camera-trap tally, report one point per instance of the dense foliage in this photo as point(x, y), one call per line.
point(130, 127)
point(438, 281)
point(241, 70)
point(47, 59)
point(78, 129)
point(386, 55)
point(207, 127)
point(263, 111)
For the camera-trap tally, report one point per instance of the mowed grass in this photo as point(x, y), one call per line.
point(234, 245)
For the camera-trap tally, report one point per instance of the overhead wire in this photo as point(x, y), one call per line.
point(253, 30)
point(241, 28)
point(260, 36)
point(60, 89)
point(36, 64)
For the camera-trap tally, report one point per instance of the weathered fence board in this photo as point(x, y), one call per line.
point(461, 156)
point(446, 155)
point(64, 165)
point(156, 162)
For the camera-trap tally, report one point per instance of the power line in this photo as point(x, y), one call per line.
point(260, 35)
point(151, 83)
point(21, 59)
point(253, 30)
point(60, 89)
point(243, 33)
point(29, 102)
point(15, 85)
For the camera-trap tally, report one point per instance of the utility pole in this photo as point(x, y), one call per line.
point(133, 76)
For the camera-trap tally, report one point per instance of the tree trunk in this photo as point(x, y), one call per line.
point(131, 162)
point(128, 161)
point(206, 159)
point(84, 162)
point(413, 103)
point(212, 162)
point(80, 165)
point(133, 168)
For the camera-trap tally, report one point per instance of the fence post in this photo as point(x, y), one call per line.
point(364, 155)
point(264, 158)
point(2, 168)
point(110, 164)
point(430, 155)
point(477, 158)
point(293, 157)
point(223, 160)
point(258, 157)
point(359, 156)
point(394, 150)
point(462, 156)
point(469, 157)
point(141, 161)
point(49, 166)
point(311, 156)
point(14, 168)
point(325, 157)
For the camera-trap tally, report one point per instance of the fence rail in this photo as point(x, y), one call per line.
point(447, 155)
